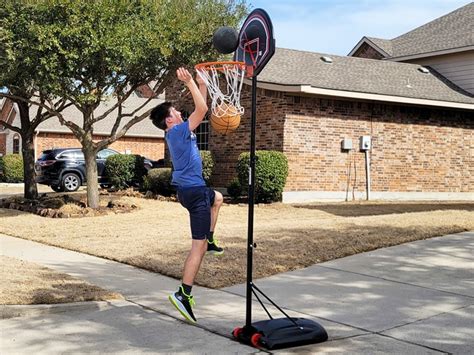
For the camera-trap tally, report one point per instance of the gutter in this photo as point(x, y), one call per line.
point(307, 89)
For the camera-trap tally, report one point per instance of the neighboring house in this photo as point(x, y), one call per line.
point(445, 44)
point(143, 138)
point(420, 123)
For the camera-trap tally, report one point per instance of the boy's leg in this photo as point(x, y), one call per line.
point(218, 200)
point(193, 261)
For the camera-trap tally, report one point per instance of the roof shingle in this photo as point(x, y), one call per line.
point(292, 67)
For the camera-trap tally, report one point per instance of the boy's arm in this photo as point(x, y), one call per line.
point(200, 106)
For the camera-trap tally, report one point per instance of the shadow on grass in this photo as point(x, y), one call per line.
point(358, 209)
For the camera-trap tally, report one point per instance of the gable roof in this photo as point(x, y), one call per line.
point(144, 128)
point(306, 72)
point(451, 32)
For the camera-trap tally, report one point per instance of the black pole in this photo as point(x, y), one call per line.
point(250, 246)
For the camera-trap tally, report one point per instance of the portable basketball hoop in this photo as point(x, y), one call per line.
point(255, 49)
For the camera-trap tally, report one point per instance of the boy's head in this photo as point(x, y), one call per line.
point(165, 116)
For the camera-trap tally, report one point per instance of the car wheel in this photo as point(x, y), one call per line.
point(71, 182)
point(57, 188)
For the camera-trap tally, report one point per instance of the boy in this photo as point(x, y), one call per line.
point(202, 202)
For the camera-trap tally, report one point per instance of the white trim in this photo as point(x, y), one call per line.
point(430, 54)
point(314, 196)
point(306, 89)
point(370, 43)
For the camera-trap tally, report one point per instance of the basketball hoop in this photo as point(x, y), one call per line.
point(225, 96)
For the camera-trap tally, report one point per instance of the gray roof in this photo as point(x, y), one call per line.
point(292, 67)
point(142, 129)
point(452, 31)
point(383, 44)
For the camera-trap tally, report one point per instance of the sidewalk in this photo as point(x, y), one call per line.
point(412, 298)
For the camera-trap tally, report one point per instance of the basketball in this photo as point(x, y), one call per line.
point(225, 40)
point(225, 118)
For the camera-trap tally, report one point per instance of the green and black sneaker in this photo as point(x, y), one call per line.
point(183, 304)
point(213, 248)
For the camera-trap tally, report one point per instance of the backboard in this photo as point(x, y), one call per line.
point(256, 42)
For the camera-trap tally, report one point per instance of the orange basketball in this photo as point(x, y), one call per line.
point(225, 118)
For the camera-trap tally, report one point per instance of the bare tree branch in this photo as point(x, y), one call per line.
point(117, 104)
point(9, 126)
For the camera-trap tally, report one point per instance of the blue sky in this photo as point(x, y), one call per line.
point(335, 27)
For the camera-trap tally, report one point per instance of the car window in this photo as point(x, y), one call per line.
point(103, 154)
point(68, 154)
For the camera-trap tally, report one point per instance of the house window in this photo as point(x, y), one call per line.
point(202, 131)
point(202, 134)
point(16, 145)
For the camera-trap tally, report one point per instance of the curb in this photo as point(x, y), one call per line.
point(13, 311)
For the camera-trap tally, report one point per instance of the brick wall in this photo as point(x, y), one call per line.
point(152, 148)
point(3, 143)
point(366, 51)
point(414, 149)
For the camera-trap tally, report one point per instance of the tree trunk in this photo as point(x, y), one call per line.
point(91, 175)
point(28, 151)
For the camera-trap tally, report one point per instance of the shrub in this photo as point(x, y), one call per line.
point(271, 171)
point(139, 170)
point(234, 189)
point(119, 169)
point(207, 165)
point(158, 181)
point(11, 168)
point(124, 170)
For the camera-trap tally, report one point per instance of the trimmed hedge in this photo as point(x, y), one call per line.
point(271, 171)
point(234, 189)
point(11, 168)
point(124, 170)
point(158, 181)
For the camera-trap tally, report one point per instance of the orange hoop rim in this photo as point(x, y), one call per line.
point(219, 65)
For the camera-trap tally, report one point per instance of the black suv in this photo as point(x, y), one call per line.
point(64, 169)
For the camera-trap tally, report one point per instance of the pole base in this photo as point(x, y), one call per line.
point(281, 333)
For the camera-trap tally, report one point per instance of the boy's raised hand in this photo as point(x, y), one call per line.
point(184, 75)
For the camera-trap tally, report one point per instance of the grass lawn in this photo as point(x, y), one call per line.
point(157, 237)
point(28, 283)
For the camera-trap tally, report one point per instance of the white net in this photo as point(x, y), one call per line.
point(224, 82)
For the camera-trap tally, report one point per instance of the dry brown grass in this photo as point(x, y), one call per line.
point(288, 237)
point(28, 283)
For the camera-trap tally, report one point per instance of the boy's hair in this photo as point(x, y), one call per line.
point(160, 113)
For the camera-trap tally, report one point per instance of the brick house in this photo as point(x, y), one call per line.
point(419, 117)
point(143, 138)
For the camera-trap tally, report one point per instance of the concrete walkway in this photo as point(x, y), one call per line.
point(413, 298)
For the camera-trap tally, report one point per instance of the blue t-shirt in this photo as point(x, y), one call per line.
point(185, 156)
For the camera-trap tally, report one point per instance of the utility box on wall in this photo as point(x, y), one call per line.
point(346, 144)
point(365, 143)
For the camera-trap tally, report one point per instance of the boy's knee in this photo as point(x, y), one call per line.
point(218, 199)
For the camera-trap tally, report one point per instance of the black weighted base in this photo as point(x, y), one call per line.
point(281, 333)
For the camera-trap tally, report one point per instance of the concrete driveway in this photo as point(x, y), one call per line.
point(413, 298)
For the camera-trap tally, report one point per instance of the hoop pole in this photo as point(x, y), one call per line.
point(250, 246)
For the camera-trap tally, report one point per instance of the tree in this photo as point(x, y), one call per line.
point(107, 48)
point(20, 74)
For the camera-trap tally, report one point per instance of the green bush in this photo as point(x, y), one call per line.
point(207, 165)
point(158, 181)
point(234, 189)
point(271, 171)
point(139, 171)
point(124, 170)
point(11, 168)
point(119, 169)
